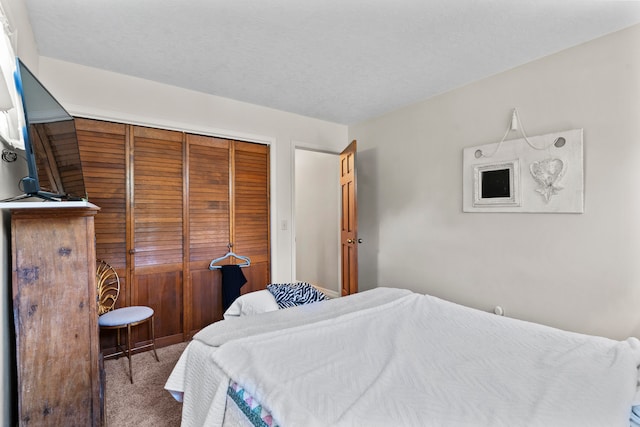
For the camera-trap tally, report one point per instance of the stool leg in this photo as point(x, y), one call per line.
point(118, 345)
point(153, 339)
point(129, 351)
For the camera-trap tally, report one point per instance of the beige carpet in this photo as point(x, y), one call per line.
point(145, 402)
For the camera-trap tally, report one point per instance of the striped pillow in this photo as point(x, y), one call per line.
point(292, 294)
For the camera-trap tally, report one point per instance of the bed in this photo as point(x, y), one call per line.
point(393, 357)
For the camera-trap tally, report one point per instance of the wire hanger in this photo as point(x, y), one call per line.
point(246, 263)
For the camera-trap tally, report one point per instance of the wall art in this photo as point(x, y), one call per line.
point(532, 174)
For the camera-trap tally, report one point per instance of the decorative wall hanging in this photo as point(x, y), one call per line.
point(531, 174)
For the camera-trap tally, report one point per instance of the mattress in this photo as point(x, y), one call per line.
point(394, 357)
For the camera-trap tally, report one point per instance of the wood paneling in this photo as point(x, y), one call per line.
point(103, 154)
point(156, 216)
point(251, 211)
point(157, 196)
point(209, 224)
point(59, 169)
point(257, 277)
point(251, 201)
point(161, 291)
point(229, 204)
point(208, 198)
point(206, 289)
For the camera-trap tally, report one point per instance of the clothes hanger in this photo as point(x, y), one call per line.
point(246, 263)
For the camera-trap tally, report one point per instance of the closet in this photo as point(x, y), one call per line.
point(170, 203)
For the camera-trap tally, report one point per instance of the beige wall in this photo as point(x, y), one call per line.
point(575, 271)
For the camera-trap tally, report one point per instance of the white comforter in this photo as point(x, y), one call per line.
point(201, 385)
point(421, 361)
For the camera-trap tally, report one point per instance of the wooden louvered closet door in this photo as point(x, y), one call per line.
point(103, 152)
point(170, 203)
point(250, 230)
point(156, 217)
point(228, 204)
point(208, 222)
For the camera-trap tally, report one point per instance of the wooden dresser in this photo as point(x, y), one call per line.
point(54, 305)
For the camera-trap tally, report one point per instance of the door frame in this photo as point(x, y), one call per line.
point(296, 145)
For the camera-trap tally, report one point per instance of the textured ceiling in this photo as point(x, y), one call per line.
point(338, 60)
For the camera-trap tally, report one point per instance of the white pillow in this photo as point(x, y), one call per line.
point(252, 303)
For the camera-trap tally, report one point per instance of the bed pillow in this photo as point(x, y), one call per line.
point(252, 303)
point(293, 294)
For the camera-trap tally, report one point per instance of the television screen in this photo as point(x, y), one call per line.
point(51, 144)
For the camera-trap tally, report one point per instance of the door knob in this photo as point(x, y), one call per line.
point(350, 241)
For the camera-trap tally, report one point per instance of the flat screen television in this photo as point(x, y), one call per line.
point(50, 142)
